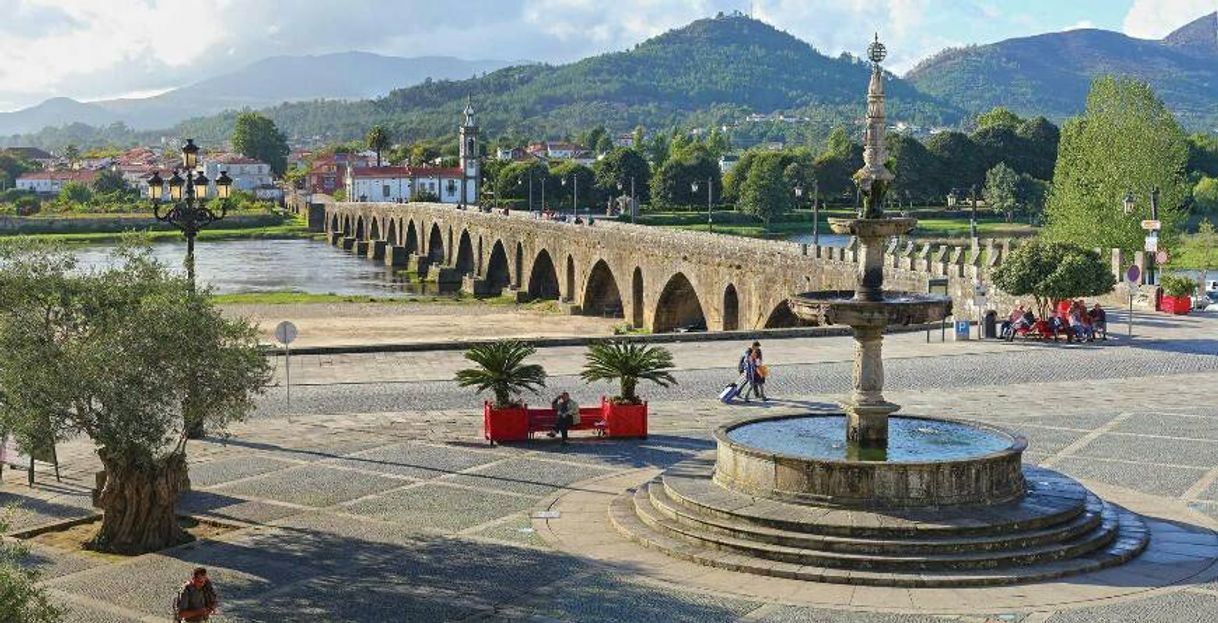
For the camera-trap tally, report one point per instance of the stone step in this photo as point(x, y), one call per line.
point(921, 543)
point(1051, 499)
point(1098, 537)
point(1132, 539)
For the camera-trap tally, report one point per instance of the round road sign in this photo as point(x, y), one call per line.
point(1161, 257)
point(1133, 274)
point(285, 332)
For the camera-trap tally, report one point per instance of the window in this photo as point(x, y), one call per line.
point(385, 190)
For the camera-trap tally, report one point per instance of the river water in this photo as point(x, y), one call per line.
point(241, 266)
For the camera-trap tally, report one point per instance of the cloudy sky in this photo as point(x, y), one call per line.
point(94, 49)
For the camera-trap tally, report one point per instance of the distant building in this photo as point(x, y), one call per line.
point(447, 184)
point(395, 184)
point(33, 154)
point(329, 173)
point(727, 162)
point(560, 150)
point(249, 175)
point(51, 182)
point(626, 139)
point(515, 154)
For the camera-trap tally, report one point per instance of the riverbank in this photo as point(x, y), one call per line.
point(109, 228)
point(345, 323)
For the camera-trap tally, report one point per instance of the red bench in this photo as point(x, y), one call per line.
point(520, 423)
point(543, 420)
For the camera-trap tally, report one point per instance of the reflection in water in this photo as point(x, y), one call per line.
point(826, 240)
point(310, 266)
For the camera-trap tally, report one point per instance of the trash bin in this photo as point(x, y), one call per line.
point(990, 325)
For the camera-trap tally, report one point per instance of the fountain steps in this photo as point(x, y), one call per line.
point(951, 556)
point(1051, 500)
point(1120, 537)
point(921, 544)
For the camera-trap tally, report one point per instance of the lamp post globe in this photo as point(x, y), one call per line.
point(1130, 202)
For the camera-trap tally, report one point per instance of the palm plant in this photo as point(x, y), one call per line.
point(501, 370)
point(378, 141)
point(628, 363)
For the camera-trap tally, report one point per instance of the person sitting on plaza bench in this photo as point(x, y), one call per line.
point(567, 412)
point(197, 600)
point(1059, 322)
point(1099, 320)
point(1010, 325)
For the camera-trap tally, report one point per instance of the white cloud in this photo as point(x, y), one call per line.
point(1155, 19)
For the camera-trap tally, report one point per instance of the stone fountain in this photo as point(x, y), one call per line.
point(865, 496)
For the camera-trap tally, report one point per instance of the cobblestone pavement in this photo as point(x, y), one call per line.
point(381, 502)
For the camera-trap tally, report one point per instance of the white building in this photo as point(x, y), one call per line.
point(395, 184)
point(51, 182)
point(727, 162)
point(248, 175)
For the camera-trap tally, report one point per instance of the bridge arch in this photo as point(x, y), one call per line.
point(412, 238)
point(569, 282)
point(636, 298)
point(498, 276)
point(435, 245)
point(543, 278)
point(391, 232)
point(781, 317)
point(601, 294)
point(731, 308)
point(374, 229)
point(465, 254)
point(335, 225)
point(359, 232)
point(678, 306)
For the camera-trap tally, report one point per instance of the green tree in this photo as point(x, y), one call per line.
point(839, 144)
point(378, 140)
point(960, 161)
point(917, 170)
point(71, 153)
point(112, 183)
point(512, 182)
point(1200, 250)
point(998, 116)
point(1037, 154)
point(1205, 194)
point(21, 599)
point(1203, 154)
point(1050, 271)
point(570, 176)
point(500, 369)
point(1126, 140)
point(255, 136)
point(1031, 194)
point(765, 194)
point(11, 168)
point(628, 363)
point(1002, 190)
point(60, 327)
point(619, 166)
point(75, 193)
point(671, 185)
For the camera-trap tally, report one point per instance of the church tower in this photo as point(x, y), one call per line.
point(470, 168)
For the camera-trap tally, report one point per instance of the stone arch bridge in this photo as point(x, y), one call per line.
point(658, 279)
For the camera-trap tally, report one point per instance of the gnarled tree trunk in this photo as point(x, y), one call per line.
point(139, 503)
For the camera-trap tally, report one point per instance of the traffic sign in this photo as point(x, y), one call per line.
point(1152, 244)
point(1150, 225)
point(1133, 274)
point(285, 332)
point(1161, 257)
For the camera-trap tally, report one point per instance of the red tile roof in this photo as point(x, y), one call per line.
point(406, 172)
point(63, 176)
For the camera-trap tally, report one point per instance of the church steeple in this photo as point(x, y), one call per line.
point(469, 153)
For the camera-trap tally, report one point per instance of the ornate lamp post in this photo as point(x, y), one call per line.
point(799, 193)
point(575, 195)
point(710, 187)
point(188, 197)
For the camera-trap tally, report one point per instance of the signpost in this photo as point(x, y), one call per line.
point(980, 300)
point(1150, 225)
point(1133, 278)
point(938, 286)
point(285, 333)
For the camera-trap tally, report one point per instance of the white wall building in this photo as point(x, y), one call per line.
point(248, 174)
point(51, 182)
point(404, 184)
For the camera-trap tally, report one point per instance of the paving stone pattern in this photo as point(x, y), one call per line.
point(381, 502)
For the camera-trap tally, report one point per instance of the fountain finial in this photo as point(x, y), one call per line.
point(874, 177)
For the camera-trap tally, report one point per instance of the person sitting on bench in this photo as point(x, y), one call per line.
point(1099, 320)
point(567, 412)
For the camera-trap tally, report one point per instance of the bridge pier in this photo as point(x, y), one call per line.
point(360, 247)
point(376, 250)
point(395, 256)
point(448, 279)
point(348, 243)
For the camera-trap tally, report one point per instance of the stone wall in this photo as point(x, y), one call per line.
point(103, 223)
point(656, 278)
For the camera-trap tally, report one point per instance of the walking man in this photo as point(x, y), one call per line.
point(197, 600)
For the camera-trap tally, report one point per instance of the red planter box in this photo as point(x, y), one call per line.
point(1178, 305)
point(505, 424)
point(624, 420)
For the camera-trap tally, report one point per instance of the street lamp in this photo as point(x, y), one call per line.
point(188, 198)
point(575, 195)
point(972, 220)
point(521, 183)
point(1130, 202)
point(710, 222)
point(634, 212)
point(799, 193)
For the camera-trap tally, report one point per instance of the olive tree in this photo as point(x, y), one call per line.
point(116, 354)
point(1049, 271)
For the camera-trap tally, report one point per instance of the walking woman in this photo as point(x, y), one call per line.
point(754, 373)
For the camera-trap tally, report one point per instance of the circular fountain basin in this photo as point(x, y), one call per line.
point(884, 227)
point(929, 462)
point(897, 308)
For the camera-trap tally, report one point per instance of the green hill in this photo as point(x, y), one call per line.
point(709, 72)
point(1049, 74)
